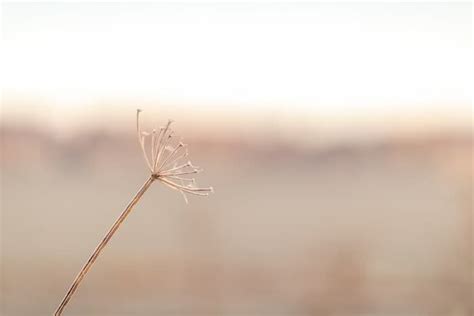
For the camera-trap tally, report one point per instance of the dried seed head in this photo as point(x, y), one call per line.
point(165, 160)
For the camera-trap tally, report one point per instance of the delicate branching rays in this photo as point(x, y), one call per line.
point(166, 159)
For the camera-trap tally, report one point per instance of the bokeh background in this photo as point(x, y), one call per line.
point(337, 138)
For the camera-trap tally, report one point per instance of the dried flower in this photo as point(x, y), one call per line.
point(167, 161)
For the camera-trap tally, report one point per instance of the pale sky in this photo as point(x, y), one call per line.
point(325, 59)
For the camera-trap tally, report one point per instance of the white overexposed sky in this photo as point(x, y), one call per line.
point(325, 59)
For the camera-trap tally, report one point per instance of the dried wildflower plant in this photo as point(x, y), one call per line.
point(167, 160)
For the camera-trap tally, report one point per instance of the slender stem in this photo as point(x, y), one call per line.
point(102, 244)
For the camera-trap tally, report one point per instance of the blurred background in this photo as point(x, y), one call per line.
point(337, 138)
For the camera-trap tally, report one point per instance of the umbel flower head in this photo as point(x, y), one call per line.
point(167, 160)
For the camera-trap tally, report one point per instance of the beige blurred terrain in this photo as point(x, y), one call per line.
point(364, 228)
point(337, 137)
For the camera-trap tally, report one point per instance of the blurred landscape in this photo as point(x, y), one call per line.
point(368, 228)
point(337, 137)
